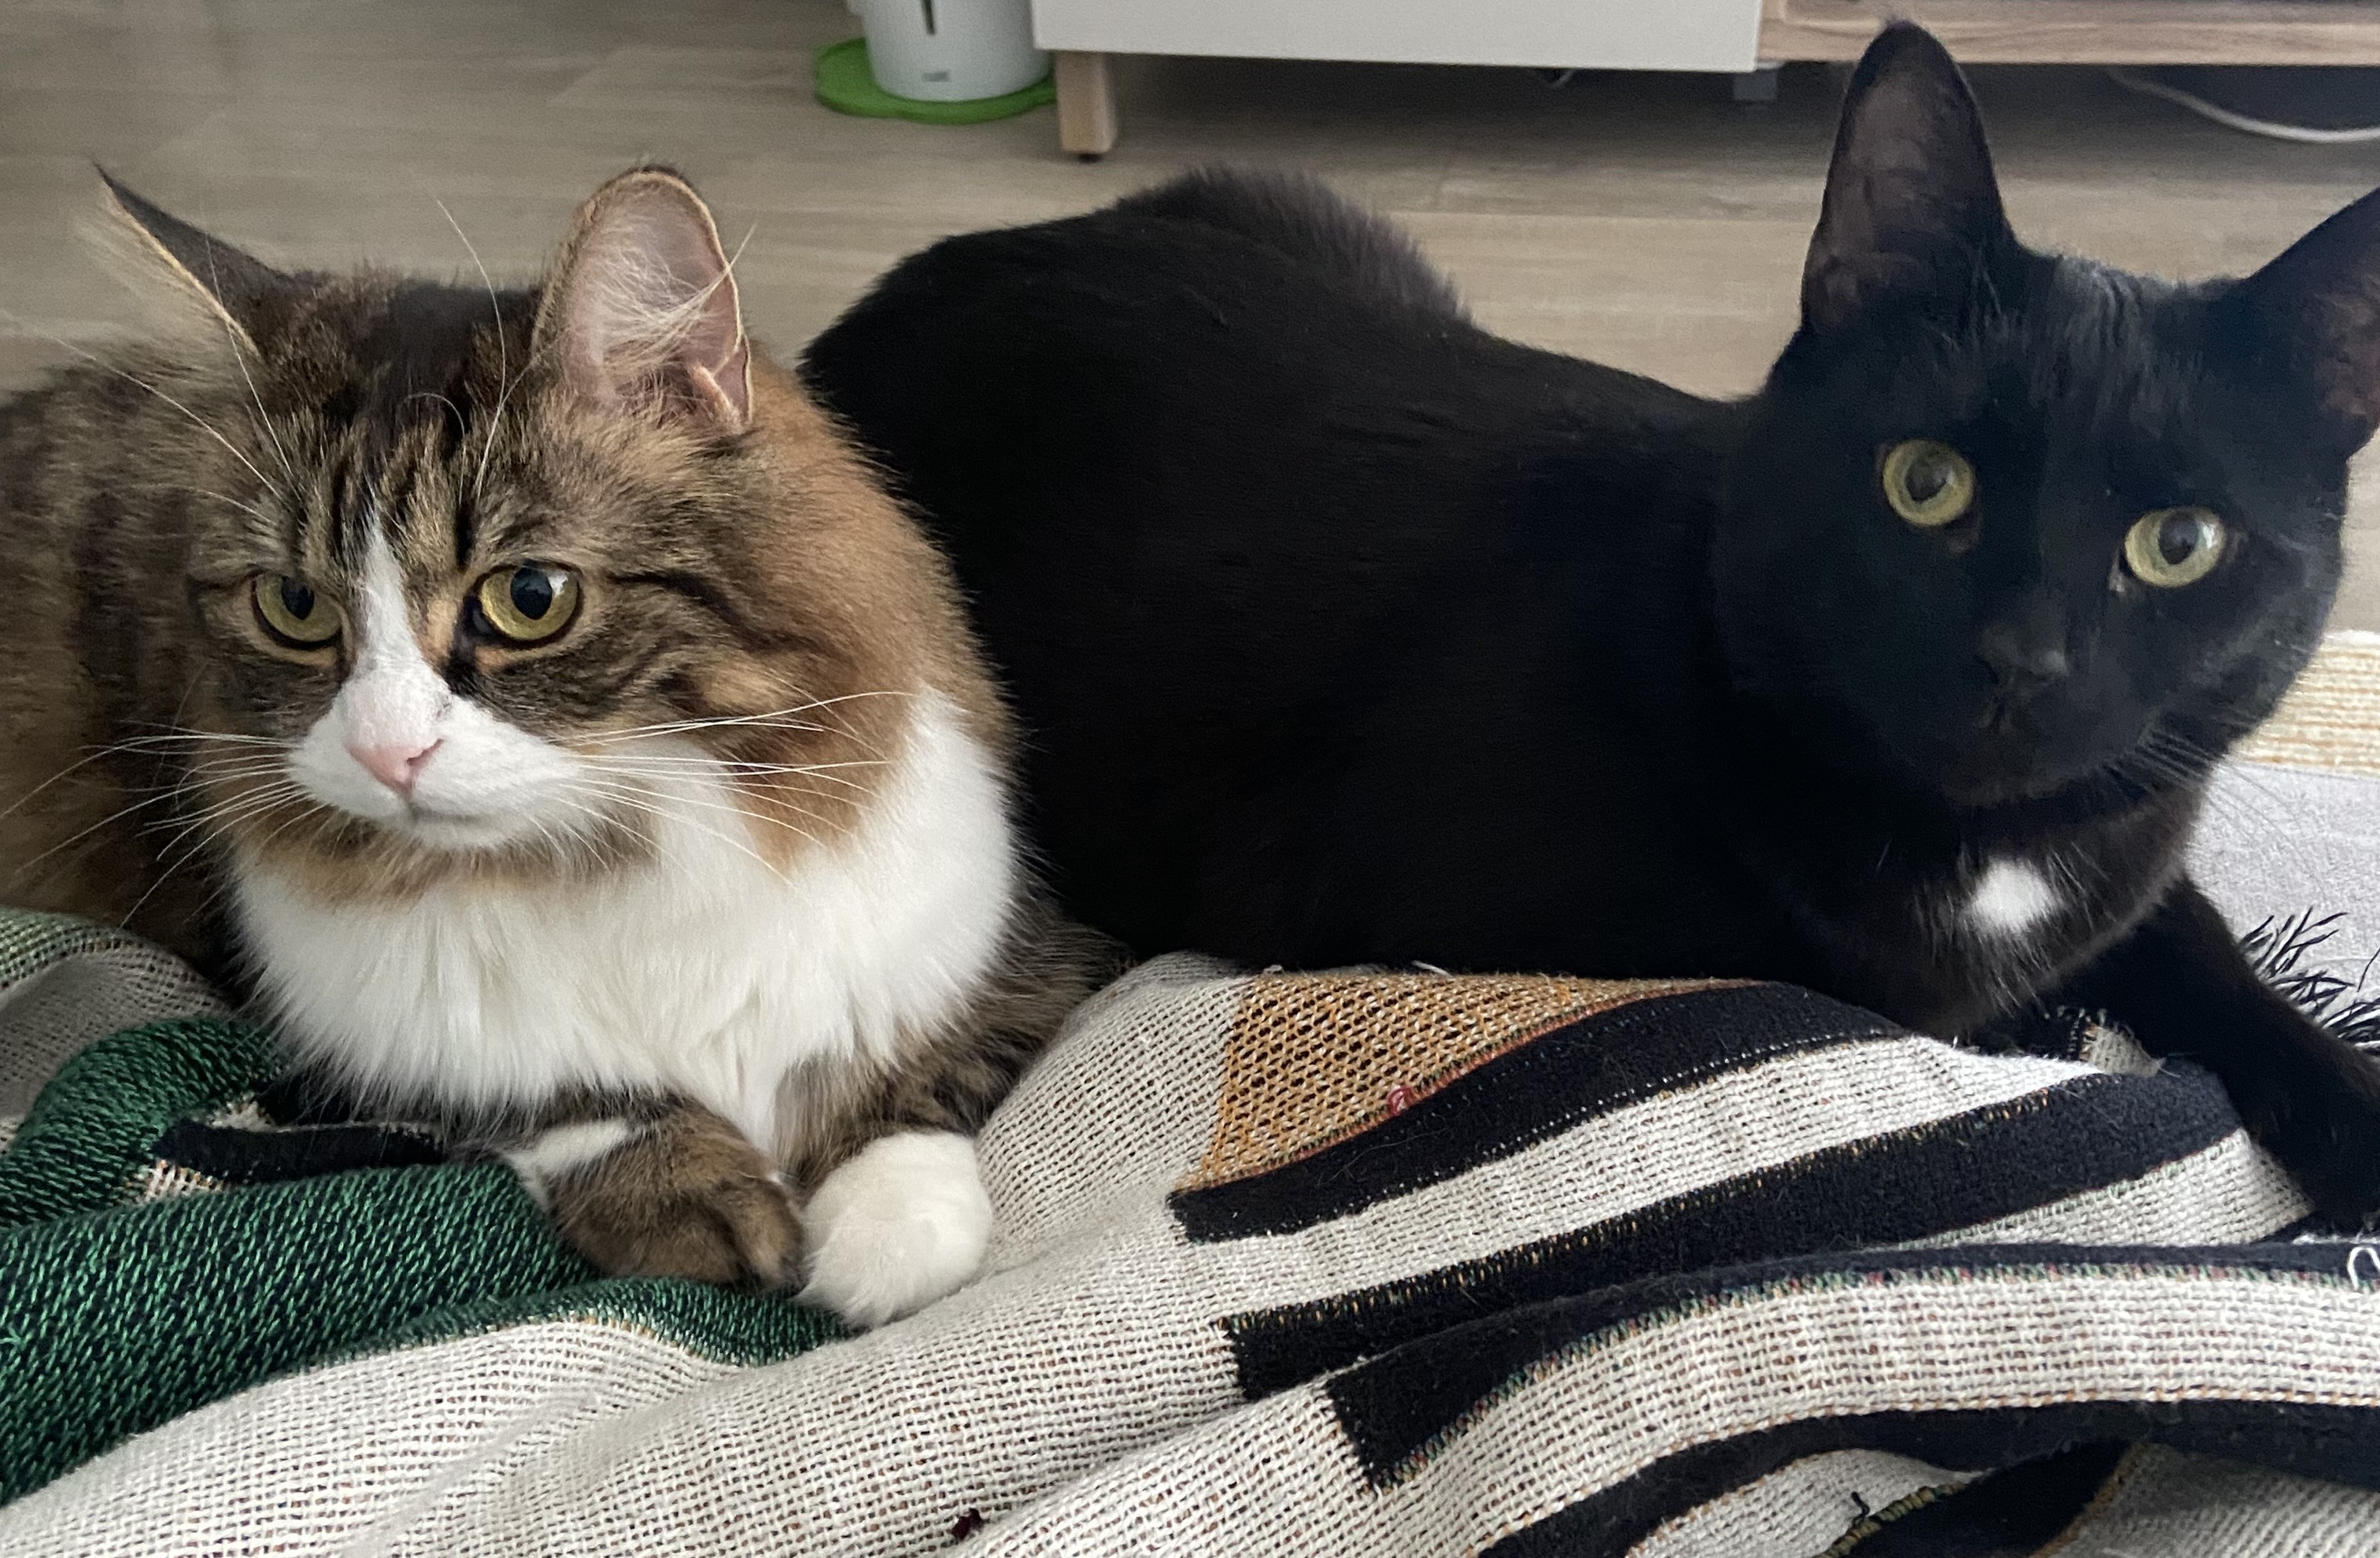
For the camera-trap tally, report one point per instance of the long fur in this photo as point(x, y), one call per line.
point(716, 878)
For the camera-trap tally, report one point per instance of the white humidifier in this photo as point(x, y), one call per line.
point(950, 51)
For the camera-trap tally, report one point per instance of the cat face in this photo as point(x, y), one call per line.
point(2018, 524)
point(492, 581)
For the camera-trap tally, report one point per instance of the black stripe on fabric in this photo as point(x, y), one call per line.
point(1590, 1067)
point(2078, 1135)
point(2336, 1443)
point(1396, 1408)
point(260, 1157)
point(2009, 1514)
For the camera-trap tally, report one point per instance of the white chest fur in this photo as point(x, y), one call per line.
point(2011, 900)
point(703, 971)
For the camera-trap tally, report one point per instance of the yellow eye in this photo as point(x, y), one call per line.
point(292, 613)
point(2171, 547)
point(1927, 483)
point(530, 603)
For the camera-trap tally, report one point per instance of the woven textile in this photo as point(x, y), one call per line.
point(1284, 1264)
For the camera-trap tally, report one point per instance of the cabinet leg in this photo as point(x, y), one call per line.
point(1087, 111)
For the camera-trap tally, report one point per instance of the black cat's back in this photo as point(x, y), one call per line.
point(1283, 719)
point(1299, 215)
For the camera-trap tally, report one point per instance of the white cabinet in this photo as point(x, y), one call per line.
point(1604, 35)
point(1725, 35)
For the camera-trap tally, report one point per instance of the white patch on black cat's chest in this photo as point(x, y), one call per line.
point(2010, 899)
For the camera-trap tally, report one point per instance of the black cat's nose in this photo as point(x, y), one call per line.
point(2024, 656)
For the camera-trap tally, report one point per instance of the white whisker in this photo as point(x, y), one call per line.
point(503, 355)
point(98, 362)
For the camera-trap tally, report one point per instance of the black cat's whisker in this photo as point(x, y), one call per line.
point(2265, 812)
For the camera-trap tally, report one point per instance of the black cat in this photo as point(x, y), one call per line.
point(1344, 631)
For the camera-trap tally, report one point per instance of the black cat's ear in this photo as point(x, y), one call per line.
point(1912, 208)
point(2314, 317)
point(240, 290)
point(641, 311)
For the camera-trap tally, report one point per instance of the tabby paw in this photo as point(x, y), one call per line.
point(901, 1223)
point(683, 1196)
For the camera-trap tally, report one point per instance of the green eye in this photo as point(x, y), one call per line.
point(292, 613)
point(2171, 547)
point(530, 603)
point(1927, 483)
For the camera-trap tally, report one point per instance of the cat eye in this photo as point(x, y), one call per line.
point(528, 605)
point(1927, 483)
point(293, 614)
point(2171, 547)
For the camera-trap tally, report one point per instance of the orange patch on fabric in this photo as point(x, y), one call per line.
point(1313, 1059)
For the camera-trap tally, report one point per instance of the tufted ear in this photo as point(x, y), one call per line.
point(641, 309)
point(241, 291)
point(2313, 315)
point(1911, 207)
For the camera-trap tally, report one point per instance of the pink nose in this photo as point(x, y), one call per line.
point(397, 765)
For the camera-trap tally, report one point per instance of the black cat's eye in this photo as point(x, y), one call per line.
point(2171, 547)
point(1927, 483)
point(528, 604)
point(293, 613)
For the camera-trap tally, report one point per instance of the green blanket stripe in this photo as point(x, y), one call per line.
point(745, 1330)
point(115, 1318)
point(93, 1128)
point(114, 1321)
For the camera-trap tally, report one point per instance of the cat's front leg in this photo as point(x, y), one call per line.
point(2183, 987)
point(667, 1189)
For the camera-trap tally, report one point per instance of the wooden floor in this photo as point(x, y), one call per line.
point(1648, 221)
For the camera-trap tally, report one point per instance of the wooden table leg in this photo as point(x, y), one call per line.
point(1087, 112)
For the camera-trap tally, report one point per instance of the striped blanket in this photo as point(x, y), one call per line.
point(1361, 1262)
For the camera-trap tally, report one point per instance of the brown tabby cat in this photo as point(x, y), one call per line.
point(533, 700)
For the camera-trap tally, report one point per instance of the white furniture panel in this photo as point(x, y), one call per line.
point(1601, 34)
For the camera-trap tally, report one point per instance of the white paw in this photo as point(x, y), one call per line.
point(902, 1223)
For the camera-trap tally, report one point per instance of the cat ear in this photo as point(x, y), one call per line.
point(2313, 314)
point(642, 311)
point(1911, 207)
point(241, 291)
